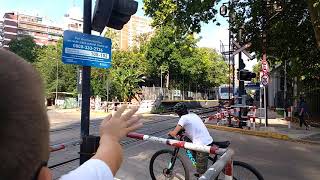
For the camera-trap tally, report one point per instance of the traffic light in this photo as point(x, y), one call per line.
point(113, 13)
point(241, 64)
point(245, 75)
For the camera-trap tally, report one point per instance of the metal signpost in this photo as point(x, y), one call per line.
point(265, 81)
point(87, 50)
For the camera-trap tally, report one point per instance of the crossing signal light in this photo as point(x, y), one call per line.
point(245, 75)
point(113, 13)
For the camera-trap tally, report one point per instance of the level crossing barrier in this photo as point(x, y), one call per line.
point(180, 144)
point(58, 147)
point(223, 163)
point(228, 113)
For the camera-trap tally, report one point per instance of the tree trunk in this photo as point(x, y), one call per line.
point(315, 19)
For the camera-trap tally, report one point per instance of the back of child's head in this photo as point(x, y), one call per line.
point(24, 134)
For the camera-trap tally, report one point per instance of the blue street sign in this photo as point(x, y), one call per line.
point(86, 50)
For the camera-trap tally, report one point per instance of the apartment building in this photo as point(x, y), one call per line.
point(1, 33)
point(17, 24)
point(127, 37)
point(73, 20)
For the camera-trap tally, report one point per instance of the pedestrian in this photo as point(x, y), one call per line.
point(24, 130)
point(302, 110)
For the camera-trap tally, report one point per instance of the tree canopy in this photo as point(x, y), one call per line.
point(25, 47)
point(289, 33)
point(184, 15)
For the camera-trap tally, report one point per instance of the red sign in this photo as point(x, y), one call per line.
point(264, 71)
point(265, 67)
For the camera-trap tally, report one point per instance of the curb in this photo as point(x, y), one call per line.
point(264, 134)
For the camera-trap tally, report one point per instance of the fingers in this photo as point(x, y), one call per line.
point(118, 113)
point(133, 120)
point(129, 114)
point(134, 127)
point(106, 119)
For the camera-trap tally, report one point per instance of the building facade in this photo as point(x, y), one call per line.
point(16, 25)
point(1, 34)
point(127, 37)
point(73, 20)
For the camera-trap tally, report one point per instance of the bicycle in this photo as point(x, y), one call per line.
point(174, 169)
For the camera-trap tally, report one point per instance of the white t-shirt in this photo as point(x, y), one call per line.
point(93, 169)
point(195, 129)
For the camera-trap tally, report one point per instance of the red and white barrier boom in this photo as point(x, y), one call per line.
point(179, 144)
point(58, 147)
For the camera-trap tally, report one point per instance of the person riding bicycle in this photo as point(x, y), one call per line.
point(196, 131)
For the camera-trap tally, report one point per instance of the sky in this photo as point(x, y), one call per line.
point(211, 34)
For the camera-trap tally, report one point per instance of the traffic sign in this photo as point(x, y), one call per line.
point(86, 50)
point(265, 79)
point(243, 50)
point(265, 67)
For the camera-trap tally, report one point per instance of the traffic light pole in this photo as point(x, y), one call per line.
point(86, 73)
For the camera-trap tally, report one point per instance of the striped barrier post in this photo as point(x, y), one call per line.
point(224, 162)
point(180, 144)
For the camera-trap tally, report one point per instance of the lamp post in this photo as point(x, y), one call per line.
point(57, 84)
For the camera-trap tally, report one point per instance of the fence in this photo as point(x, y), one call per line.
point(151, 93)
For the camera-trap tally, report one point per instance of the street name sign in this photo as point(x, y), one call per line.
point(86, 50)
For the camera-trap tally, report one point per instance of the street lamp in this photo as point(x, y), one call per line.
point(57, 81)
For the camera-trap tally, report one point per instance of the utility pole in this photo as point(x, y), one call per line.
point(86, 73)
point(57, 81)
point(264, 54)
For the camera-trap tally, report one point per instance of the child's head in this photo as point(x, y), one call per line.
point(181, 109)
point(24, 130)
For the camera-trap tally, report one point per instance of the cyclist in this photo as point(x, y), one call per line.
point(196, 131)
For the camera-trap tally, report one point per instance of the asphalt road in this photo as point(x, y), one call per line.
point(275, 159)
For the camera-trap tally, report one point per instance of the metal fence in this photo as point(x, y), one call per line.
point(151, 93)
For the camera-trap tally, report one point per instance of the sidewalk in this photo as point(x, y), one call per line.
point(277, 129)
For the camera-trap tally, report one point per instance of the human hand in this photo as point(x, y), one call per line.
point(171, 133)
point(116, 126)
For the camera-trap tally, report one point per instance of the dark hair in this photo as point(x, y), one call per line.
point(24, 130)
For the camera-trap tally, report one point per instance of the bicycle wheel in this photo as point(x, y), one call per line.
point(160, 163)
point(244, 171)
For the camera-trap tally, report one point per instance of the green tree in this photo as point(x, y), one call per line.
point(256, 69)
point(167, 50)
point(48, 62)
point(314, 8)
point(185, 15)
point(25, 47)
point(114, 35)
point(128, 69)
point(290, 35)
